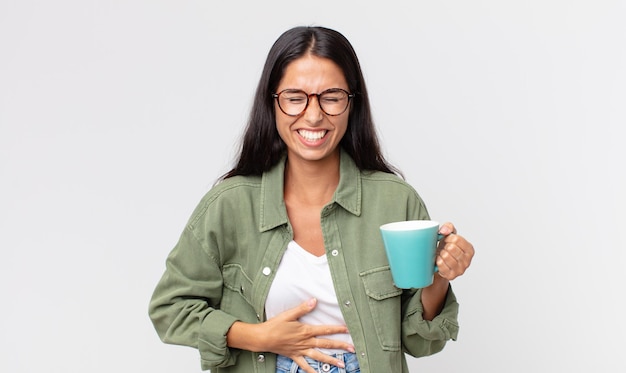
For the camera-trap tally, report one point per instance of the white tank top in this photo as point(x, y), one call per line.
point(300, 277)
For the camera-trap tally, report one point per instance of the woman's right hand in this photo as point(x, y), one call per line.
point(285, 335)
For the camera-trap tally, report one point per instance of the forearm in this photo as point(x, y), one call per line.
point(244, 336)
point(434, 296)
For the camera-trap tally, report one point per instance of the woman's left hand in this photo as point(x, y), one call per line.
point(454, 253)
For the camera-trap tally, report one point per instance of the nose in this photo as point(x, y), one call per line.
point(313, 113)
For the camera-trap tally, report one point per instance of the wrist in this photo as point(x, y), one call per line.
point(439, 287)
point(440, 282)
point(434, 297)
point(245, 336)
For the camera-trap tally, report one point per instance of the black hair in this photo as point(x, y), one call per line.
point(262, 146)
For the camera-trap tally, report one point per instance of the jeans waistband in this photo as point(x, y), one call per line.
point(286, 365)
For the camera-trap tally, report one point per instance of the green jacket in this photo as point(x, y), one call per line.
point(223, 265)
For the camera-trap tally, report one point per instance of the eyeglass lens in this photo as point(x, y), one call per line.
point(333, 101)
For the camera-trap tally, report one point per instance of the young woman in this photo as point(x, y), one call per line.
point(281, 267)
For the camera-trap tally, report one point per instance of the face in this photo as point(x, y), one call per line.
point(313, 135)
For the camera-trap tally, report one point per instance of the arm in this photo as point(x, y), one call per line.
point(184, 305)
point(433, 297)
point(431, 313)
point(454, 256)
point(185, 310)
point(285, 335)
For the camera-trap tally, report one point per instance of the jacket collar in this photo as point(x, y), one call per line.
point(273, 211)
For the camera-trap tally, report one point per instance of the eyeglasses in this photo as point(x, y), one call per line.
point(293, 102)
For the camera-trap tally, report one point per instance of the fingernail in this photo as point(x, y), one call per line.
point(351, 349)
point(311, 302)
point(340, 364)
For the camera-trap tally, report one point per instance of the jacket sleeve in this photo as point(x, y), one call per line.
point(184, 307)
point(422, 337)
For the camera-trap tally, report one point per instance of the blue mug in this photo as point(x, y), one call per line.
point(411, 247)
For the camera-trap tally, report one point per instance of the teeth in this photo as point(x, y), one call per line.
point(312, 135)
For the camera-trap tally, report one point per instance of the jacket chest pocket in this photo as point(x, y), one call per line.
point(237, 293)
point(385, 305)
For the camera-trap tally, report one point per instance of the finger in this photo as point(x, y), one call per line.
point(452, 262)
point(460, 249)
point(303, 364)
point(447, 229)
point(321, 357)
point(449, 261)
point(457, 246)
point(452, 250)
point(468, 248)
point(331, 344)
point(328, 330)
point(298, 311)
point(461, 242)
point(454, 256)
point(442, 268)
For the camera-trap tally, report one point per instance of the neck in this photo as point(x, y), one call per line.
point(311, 182)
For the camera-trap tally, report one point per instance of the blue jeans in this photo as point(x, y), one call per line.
point(286, 365)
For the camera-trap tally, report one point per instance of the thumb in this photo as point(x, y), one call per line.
point(299, 311)
point(447, 229)
point(306, 307)
point(310, 304)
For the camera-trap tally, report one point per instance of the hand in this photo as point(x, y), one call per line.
point(454, 253)
point(286, 336)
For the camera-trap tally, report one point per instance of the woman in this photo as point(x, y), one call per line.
point(281, 266)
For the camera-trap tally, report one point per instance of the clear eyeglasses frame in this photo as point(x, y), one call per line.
point(294, 102)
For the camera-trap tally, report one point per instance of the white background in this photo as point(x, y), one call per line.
point(507, 116)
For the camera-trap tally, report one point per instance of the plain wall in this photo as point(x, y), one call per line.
point(507, 117)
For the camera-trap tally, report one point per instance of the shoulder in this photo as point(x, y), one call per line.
point(390, 187)
point(226, 192)
point(389, 192)
point(385, 180)
point(234, 187)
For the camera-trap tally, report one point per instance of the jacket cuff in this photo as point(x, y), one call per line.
point(443, 327)
point(214, 352)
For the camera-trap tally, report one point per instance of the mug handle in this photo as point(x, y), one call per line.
point(439, 237)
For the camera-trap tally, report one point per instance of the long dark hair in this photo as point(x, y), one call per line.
point(262, 147)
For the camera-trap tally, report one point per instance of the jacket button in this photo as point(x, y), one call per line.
point(334, 252)
point(267, 271)
point(260, 358)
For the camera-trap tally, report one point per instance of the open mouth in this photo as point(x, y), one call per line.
point(312, 135)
